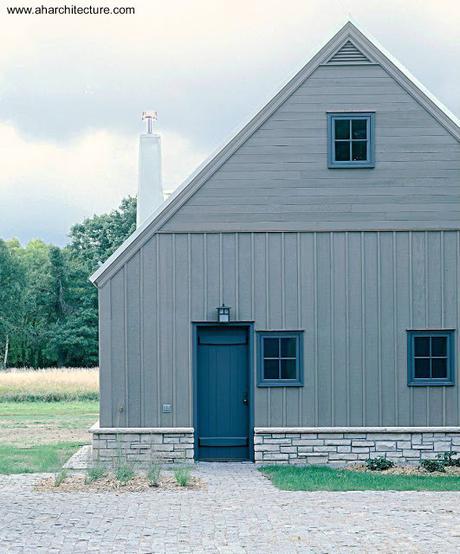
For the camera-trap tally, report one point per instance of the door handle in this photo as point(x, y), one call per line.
point(245, 400)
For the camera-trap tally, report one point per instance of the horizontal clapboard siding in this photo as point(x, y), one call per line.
point(353, 293)
point(278, 179)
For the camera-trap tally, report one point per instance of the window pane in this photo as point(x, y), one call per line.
point(359, 129)
point(439, 346)
point(422, 346)
point(342, 151)
point(439, 368)
point(422, 368)
point(342, 128)
point(271, 348)
point(271, 369)
point(288, 369)
point(288, 348)
point(359, 150)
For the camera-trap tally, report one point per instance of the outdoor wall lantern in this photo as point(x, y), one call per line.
point(223, 314)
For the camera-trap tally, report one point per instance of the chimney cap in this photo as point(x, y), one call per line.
point(149, 116)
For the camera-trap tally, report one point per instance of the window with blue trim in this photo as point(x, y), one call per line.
point(280, 362)
point(431, 358)
point(351, 140)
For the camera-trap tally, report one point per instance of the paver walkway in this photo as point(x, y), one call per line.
point(239, 512)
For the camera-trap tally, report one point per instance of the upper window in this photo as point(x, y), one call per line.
point(351, 140)
point(280, 359)
point(431, 358)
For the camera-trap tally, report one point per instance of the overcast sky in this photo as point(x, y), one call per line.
point(72, 88)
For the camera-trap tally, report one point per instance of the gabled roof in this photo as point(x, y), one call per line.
point(349, 46)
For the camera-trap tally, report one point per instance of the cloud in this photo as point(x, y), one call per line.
point(203, 65)
point(46, 186)
point(72, 88)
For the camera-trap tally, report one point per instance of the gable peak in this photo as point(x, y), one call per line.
point(363, 46)
point(348, 53)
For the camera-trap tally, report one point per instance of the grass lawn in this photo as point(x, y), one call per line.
point(41, 436)
point(36, 459)
point(28, 424)
point(317, 478)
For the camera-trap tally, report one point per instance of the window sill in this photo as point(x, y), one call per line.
point(430, 383)
point(279, 383)
point(347, 165)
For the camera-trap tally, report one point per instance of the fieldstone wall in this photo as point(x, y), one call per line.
point(333, 445)
point(142, 446)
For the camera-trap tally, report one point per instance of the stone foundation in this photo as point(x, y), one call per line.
point(292, 445)
point(345, 445)
point(142, 446)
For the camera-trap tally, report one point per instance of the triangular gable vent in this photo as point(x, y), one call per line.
point(348, 53)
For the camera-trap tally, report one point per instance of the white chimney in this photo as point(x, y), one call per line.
point(150, 189)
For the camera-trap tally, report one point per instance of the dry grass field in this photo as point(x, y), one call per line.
point(49, 385)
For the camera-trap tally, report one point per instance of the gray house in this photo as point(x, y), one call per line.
point(297, 298)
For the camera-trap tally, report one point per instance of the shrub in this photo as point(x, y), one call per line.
point(448, 458)
point(379, 464)
point(153, 475)
point(124, 473)
point(433, 465)
point(60, 477)
point(182, 476)
point(94, 474)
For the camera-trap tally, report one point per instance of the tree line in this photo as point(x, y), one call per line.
point(48, 308)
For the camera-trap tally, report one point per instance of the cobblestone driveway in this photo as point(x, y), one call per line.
point(239, 512)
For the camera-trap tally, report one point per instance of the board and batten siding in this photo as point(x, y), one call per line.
point(353, 293)
point(278, 179)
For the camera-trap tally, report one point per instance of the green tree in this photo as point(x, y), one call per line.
point(48, 308)
point(30, 339)
point(60, 309)
point(92, 242)
point(11, 295)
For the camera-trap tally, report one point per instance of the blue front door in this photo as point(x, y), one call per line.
point(223, 393)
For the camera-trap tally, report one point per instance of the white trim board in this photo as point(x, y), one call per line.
point(350, 31)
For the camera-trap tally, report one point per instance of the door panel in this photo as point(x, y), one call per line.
point(222, 388)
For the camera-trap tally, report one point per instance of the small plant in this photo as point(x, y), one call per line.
point(450, 459)
point(60, 477)
point(124, 473)
point(153, 475)
point(182, 476)
point(433, 465)
point(379, 464)
point(94, 474)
